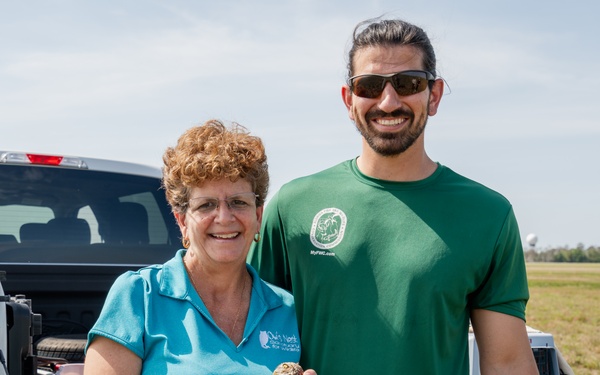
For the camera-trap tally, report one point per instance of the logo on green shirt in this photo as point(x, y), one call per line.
point(328, 228)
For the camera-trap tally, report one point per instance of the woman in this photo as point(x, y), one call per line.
point(205, 311)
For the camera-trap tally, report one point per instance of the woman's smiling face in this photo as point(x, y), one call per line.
point(224, 234)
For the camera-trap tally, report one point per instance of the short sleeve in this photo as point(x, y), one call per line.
point(505, 289)
point(269, 255)
point(122, 318)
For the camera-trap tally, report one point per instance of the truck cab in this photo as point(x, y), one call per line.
point(68, 227)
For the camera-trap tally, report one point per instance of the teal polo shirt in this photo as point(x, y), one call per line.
point(156, 313)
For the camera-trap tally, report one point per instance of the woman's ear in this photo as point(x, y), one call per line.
point(259, 215)
point(180, 218)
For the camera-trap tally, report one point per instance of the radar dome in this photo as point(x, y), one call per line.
point(532, 239)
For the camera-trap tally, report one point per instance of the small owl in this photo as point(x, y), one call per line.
point(288, 368)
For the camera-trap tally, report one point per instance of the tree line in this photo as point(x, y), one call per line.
point(579, 254)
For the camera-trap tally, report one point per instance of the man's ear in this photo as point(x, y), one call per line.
point(347, 98)
point(435, 96)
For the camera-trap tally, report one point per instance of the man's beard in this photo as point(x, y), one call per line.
point(391, 144)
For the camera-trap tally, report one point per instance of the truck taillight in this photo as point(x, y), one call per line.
point(39, 159)
point(44, 159)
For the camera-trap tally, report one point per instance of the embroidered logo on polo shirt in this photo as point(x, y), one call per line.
point(328, 229)
point(277, 341)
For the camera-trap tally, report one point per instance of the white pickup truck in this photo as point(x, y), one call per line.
point(68, 227)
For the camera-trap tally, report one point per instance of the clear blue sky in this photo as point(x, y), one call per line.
point(123, 79)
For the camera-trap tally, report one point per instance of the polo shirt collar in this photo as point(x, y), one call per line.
point(175, 283)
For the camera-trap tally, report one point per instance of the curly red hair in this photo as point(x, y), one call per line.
point(212, 152)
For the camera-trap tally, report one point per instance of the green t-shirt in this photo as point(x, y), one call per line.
point(385, 274)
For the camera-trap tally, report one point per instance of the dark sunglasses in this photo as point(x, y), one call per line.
point(405, 83)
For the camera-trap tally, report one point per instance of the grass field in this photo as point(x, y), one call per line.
point(565, 301)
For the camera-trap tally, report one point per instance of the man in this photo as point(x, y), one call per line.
point(390, 255)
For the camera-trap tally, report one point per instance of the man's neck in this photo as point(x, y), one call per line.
point(412, 165)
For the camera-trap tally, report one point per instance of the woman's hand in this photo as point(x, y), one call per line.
point(292, 368)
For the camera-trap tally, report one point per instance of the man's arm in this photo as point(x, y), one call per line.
point(503, 344)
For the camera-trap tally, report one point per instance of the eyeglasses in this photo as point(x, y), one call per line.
point(405, 83)
point(240, 203)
